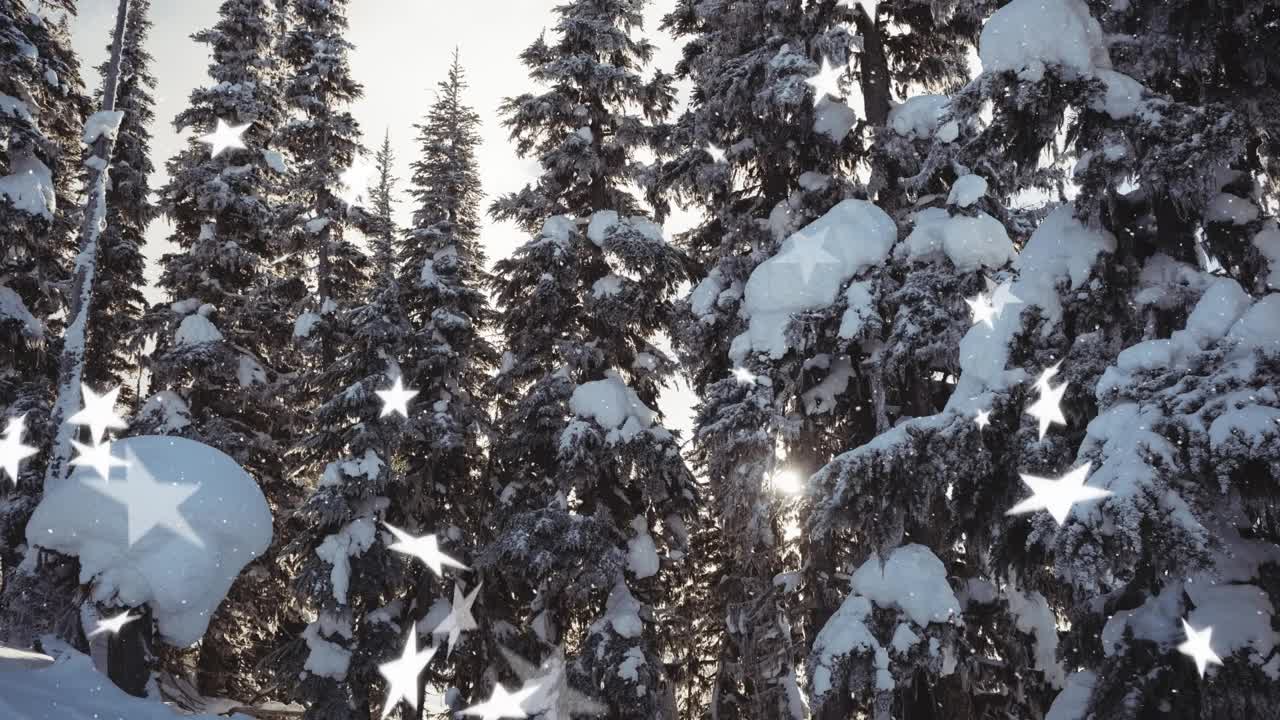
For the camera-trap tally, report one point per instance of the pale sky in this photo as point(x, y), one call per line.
point(402, 49)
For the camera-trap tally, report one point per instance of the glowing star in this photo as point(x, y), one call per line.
point(1197, 647)
point(97, 456)
point(402, 675)
point(1048, 407)
point(982, 419)
point(554, 698)
point(224, 137)
point(425, 548)
point(114, 625)
point(1057, 496)
point(460, 619)
point(826, 82)
point(355, 180)
point(984, 311)
point(99, 412)
point(717, 155)
point(744, 376)
point(503, 704)
point(396, 399)
point(149, 503)
point(12, 449)
point(808, 259)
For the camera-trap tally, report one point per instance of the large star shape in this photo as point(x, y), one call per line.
point(983, 310)
point(554, 698)
point(99, 412)
point(148, 502)
point(12, 450)
point(402, 675)
point(503, 704)
point(826, 82)
point(97, 456)
point(396, 399)
point(808, 259)
point(1058, 495)
point(1197, 647)
point(982, 418)
point(1048, 407)
point(425, 548)
point(224, 137)
point(460, 619)
point(115, 624)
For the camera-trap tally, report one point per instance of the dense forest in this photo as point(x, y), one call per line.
point(981, 309)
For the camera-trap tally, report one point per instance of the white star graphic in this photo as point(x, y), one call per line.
point(396, 399)
point(983, 419)
point(12, 450)
point(425, 548)
point(502, 704)
point(1048, 407)
point(460, 619)
point(554, 698)
point(114, 625)
point(983, 310)
point(99, 412)
point(717, 154)
point(744, 376)
point(1197, 647)
point(97, 456)
point(1058, 495)
point(149, 503)
point(402, 675)
point(826, 82)
point(809, 259)
point(224, 137)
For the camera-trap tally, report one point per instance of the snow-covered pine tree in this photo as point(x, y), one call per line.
point(448, 357)
point(593, 497)
point(383, 200)
point(215, 374)
point(42, 112)
point(1162, 368)
point(115, 321)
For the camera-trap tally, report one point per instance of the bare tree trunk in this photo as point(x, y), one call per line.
point(71, 364)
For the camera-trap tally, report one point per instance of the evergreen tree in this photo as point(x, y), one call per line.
point(115, 322)
point(42, 112)
point(216, 372)
point(448, 357)
point(383, 202)
point(584, 473)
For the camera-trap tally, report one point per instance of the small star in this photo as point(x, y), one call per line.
point(1048, 407)
point(983, 419)
point(149, 503)
point(402, 674)
point(744, 376)
point(396, 399)
point(12, 450)
point(224, 137)
point(1197, 647)
point(984, 311)
point(460, 619)
point(502, 704)
point(114, 625)
point(99, 412)
point(809, 259)
point(826, 82)
point(555, 698)
point(97, 456)
point(1057, 496)
point(717, 155)
point(425, 548)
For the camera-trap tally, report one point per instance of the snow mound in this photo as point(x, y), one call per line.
point(102, 123)
point(844, 634)
point(1026, 35)
point(12, 308)
point(969, 242)
point(809, 271)
point(606, 222)
point(1073, 702)
point(183, 582)
point(1268, 243)
point(834, 119)
point(967, 190)
point(917, 117)
point(612, 404)
point(71, 689)
point(1231, 209)
point(29, 186)
point(913, 580)
point(196, 329)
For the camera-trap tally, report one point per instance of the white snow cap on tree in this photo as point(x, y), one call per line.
point(181, 582)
